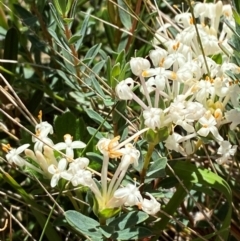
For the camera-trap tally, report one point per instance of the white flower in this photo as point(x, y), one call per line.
point(209, 42)
point(234, 91)
point(158, 56)
point(208, 123)
point(38, 146)
point(152, 117)
point(57, 171)
point(124, 89)
point(176, 59)
point(69, 145)
point(185, 19)
point(172, 143)
point(13, 155)
point(106, 147)
point(74, 167)
point(130, 156)
point(151, 206)
point(226, 150)
point(205, 88)
point(44, 160)
point(129, 195)
point(189, 72)
point(234, 117)
point(81, 177)
point(138, 65)
point(44, 128)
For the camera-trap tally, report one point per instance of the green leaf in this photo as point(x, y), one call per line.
point(128, 220)
point(69, 5)
point(74, 38)
point(85, 225)
point(27, 18)
point(106, 231)
point(190, 173)
point(65, 124)
point(132, 233)
point(92, 131)
point(171, 207)
point(157, 169)
point(10, 50)
point(60, 5)
point(83, 31)
point(121, 58)
point(116, 71)
point(236, 16)
point(236, 4)
point(109, 31)
point(35, 208)
point(96, 117)
point(92, 52)
point(56, 17)
point(124, 15)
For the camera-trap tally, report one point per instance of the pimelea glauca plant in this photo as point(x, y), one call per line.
point(135, 148)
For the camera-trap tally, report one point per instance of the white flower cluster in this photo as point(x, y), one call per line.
point(182, 87)
point(76, 171)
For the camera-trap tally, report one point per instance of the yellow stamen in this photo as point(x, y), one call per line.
point(67, 136)
point(145, 73)
point(113, 153)
point(174, 75)
point(191, 20)
point(38, 132)
point(40, 115)
point(161, 62)
point(6, 147)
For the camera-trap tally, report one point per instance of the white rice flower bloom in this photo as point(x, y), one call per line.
point(152, 117)
point(226, 150)
point(151, 206)
point(129, 195)
point(44, 160)
point(234, 93)
point(172, 143)
point(209, 42)
point(69, 145)
point(185, 19)
point(176, 60)
point(209, 123)
point(138, 65)
point(158, 56)
point(233, 116)
point(230, 67)
point(204, 89)
point(189, 72)
point(57, 171)
point(155, 83)
point(212, 66)
point(107, 147)
point(44, 128)
point(227, 11)
point(124, 89)
point(13, 155)
point(74, 167)
point(130, 156)
point(40, 143)
point(81, 177)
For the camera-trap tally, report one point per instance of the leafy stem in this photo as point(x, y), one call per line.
point(147, 161)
